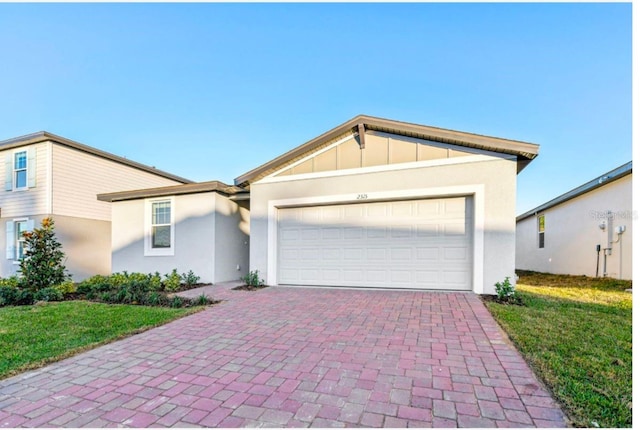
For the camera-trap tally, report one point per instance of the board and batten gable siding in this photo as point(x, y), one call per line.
point(78, 177)
point(32, 200)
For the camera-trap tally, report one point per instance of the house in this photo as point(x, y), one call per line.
point(48, 175)
point(382, 203)
point(203, 227)
point(586, 231)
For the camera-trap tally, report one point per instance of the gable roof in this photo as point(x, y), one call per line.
point(523, 150)
point(173, 190)
point(44, 136)
point(600, 181)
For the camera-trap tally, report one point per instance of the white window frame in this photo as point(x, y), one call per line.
point(15, 240)
point(149, 250)
point(25, 169)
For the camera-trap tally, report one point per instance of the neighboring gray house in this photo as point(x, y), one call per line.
point(586, 231)
point(382, 203)
point(48, 175)
point(202, 227)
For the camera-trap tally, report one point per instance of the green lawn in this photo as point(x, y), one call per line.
point(575, 332)
point(31, 336)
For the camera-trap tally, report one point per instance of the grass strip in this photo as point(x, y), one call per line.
point(32, 336)
point(576, 333)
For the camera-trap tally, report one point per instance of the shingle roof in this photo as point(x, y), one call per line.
point(617, 173)
point(43, 136)
point(173, 190)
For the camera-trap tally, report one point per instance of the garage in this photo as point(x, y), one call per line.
point(422, 244)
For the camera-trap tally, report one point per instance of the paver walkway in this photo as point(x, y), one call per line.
point(296, 357)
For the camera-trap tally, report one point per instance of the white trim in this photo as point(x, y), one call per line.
point(149, 251)
point(15, 259)
point(49, 190)
point(13, 169)
point(385, 168)
point(474, 190)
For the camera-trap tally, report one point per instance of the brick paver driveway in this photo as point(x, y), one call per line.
point(296, 357)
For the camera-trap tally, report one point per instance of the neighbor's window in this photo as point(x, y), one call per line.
point(159, 239)
point(20, 227)
point(20, 170)
point(541, 231)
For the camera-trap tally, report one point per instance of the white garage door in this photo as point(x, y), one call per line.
point(423, 244)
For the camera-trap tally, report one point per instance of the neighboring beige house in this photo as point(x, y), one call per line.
point(382, 203)
point(586, 231)
point(48, 175)
point(202, 227)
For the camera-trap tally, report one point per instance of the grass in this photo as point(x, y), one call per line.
point(32, 336)
point(575, 332)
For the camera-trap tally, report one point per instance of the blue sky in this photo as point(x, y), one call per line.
point(210, 91)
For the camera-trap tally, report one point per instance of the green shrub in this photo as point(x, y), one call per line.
point(41, 267)
point(172, 281)
point(190, 279)
point(155, 298)
point(505, 290)
point(48, 294)
point(253, 279)
point(7, 295)
point(95, 284)
point(12, 281)
point(155, 282)
point(67, 287)
point(201, 300)
point(176, 302)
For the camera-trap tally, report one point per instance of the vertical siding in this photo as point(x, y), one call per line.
point(78, 177)
point(30, 201)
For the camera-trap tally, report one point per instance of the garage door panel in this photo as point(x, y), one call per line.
point(401, 244)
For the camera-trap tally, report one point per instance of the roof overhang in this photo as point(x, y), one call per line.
point(44, 136)
point(524, 151)
point(201, 187)
point(600, 181)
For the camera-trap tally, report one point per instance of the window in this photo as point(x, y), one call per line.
point(21, 227)
point(159, 238)
point(14, 239)
point(541, 231)
point(20, 170)
point(161, 225)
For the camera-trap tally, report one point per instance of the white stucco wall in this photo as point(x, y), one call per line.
point(572, 233)
point(208, 238)
point(495, 176)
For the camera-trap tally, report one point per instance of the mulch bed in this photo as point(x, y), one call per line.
point(517, 300)
point(249, 288)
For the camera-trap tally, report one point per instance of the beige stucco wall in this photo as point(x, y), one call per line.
point(208, 238)
point(86, 244)
point(572, 234)
point(496, 175)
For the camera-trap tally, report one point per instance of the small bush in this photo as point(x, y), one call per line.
point(176, 302)
point(253, 279)
point(507, 292)
point(190, 279)
point(155, 282)
point(49, 294)
point(67, 287)
point(155, 298)
point(201, 300)
point(11, 281)
point(172, 281)
point(42, 265)
point(7, 295)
